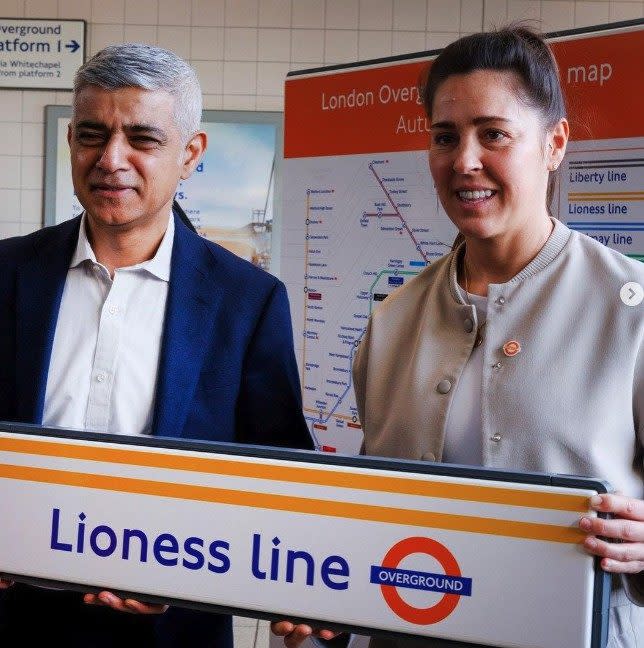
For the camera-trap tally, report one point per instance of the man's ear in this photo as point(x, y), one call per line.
point(193, 153)
point(69, 134)
point(557, 142)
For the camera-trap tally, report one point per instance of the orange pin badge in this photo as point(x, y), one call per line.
point(511, 348)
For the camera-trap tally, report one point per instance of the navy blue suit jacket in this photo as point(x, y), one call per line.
point(227, 369)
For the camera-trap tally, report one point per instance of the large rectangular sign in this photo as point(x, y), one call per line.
point(366, 544)
point(377, 107)
point(42, 54)
point(361, 216)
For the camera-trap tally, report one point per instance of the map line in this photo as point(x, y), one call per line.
point(324, 416)
point(398, 214)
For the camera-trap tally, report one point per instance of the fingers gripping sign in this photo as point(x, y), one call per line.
point(124, 605)
point(294, 634)
point(619, 541)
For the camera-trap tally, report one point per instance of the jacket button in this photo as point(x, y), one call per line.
point(468, 325)
point(428, 456)
point(496, 437)
point(501, 301)
point(443, 386)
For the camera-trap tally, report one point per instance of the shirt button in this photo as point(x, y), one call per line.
point(497, 365)
point(500, 300)
point(468, 325)
point(496, 438)
point(443, 386)
point(114, 310)
point(100, 377)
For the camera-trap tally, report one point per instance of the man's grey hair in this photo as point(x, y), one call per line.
point(133, 65)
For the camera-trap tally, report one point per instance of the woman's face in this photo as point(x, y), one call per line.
point(490, 154)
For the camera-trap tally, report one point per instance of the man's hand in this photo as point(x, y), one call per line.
point(627, 555)
point(4, 583)
point(124, 605)
point(294, 635)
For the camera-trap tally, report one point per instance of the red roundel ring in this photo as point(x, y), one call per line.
point(434, 613)
point(511, 348)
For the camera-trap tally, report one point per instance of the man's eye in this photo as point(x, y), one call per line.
point(87, 137)
point(495, 135)
point(144, 140)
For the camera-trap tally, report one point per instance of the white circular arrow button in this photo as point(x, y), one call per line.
point(632, 293)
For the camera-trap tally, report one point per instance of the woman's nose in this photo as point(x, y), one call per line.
point(467, 157)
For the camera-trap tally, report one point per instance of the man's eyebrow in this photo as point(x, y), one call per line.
point(477, 121)
point(147, 129)
point(87, 123)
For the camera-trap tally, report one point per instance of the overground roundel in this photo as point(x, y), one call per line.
point(434, 613)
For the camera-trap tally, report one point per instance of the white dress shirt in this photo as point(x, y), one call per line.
point(103, 368)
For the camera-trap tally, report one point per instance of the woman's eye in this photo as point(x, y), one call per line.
point(443, 139)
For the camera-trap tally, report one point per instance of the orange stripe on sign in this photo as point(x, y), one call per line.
point(426, 519)
point(614, 194)
point(600, 198)
point(297, 474)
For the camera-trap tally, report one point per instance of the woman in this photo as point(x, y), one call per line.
point(517, 351)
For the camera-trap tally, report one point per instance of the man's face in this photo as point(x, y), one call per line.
point(127, 155)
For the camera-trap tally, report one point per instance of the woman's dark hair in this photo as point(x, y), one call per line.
point(515, 48)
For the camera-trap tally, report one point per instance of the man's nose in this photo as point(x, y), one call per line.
point(113, 155)
point(467, 156)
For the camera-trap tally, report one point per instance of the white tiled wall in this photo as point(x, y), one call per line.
point(242, 50)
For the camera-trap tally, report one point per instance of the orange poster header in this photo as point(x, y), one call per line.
point(379, 108)
point(603, 81)
point(355, 111)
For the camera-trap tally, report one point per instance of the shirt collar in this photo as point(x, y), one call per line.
point(83, 251)
point(551, 249)
point(158, 265)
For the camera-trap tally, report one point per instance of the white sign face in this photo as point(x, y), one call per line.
point(488, 562)
point(41, 54)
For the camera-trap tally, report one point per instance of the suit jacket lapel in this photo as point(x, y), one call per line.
point(40, 283)
point(193, 300)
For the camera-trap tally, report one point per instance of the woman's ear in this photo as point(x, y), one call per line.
point(557, 142)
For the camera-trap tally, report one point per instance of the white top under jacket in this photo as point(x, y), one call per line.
point(104, 361)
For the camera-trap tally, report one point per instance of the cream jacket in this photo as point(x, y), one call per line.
point(572, 401)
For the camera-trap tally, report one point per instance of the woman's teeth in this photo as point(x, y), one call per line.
point(475, 195)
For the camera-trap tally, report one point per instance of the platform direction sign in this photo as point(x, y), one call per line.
point(40, 54)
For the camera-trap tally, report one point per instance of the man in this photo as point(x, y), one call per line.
point(124, 321)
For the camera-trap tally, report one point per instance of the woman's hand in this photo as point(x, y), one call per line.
point(124, 605)
point(4, 583)
point(294, 635)
point(627, 555)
